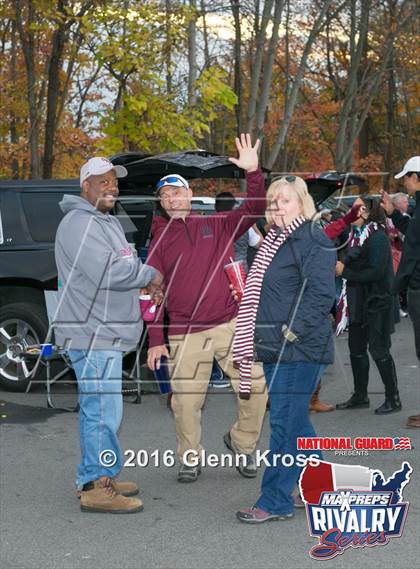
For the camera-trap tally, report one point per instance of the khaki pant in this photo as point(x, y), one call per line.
point(191, 364)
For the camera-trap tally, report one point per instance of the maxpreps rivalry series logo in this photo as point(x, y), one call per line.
point(352, 506)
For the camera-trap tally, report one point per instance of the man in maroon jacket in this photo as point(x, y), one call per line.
point(190, 251)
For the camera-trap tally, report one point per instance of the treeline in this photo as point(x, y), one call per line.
point(325, 84)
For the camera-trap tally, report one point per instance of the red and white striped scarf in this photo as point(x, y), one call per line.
point(243, 344)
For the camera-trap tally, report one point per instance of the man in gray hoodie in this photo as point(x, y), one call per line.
point(97, 320)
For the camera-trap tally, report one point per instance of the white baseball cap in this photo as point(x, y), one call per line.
point(412, 165)
point(172, 180)
point(96, 166)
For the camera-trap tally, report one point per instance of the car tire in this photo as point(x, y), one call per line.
point(21, 324)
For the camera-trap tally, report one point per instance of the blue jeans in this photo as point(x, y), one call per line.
point(290, 386)
point(99, 374)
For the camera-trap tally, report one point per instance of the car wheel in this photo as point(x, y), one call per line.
point(21, 324)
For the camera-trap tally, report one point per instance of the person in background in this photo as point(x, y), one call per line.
point(225, 201)
point(369, 278)
point(284, 320)
point(340, 242)
point(400, 202)
point(256, 234)
point(255, 238)
point(408, 274)
point(252, 239)
point(334, 226)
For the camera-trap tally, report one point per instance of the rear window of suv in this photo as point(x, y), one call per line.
point(43, 214)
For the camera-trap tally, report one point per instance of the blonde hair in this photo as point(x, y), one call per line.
point(300, 188)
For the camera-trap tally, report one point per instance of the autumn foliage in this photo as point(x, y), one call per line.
point(328, 86)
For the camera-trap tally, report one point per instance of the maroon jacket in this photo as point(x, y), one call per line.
point(336, 228)
point(191, 255)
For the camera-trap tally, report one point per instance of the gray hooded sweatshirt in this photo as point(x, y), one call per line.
point(99, 281)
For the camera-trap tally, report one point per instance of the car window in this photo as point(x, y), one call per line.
point(42, 226)
point(202, 208)
point(123, 217)
point(135, 216)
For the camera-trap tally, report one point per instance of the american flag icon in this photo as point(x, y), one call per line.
point(402, 443)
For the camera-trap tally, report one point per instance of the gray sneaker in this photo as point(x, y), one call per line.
point(246, 467)
point(188, 473)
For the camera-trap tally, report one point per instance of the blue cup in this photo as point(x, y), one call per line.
point(46, 349)
point(162, 376)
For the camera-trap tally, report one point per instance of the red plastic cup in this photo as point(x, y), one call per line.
point(147, 308)
point(237, 276)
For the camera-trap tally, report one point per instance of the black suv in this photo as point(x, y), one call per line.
point(29, 217)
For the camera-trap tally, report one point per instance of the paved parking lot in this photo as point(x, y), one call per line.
point(184, 526)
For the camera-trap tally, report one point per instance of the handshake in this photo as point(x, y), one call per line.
point(154, 290)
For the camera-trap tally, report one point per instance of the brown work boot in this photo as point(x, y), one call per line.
point(124, 488)
point(100, 496)
point(413, 421)
point(318, 406)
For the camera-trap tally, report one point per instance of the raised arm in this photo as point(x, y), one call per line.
point(240, 220)
point(400, 221)
point(336, 228)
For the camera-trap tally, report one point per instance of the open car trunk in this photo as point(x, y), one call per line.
point(144, 171)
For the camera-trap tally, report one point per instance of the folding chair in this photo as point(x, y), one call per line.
point(42, 357)
point(38, 355)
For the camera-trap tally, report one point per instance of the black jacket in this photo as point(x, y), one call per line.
point(298, 291)
point(408, 273)
point(369, 273)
